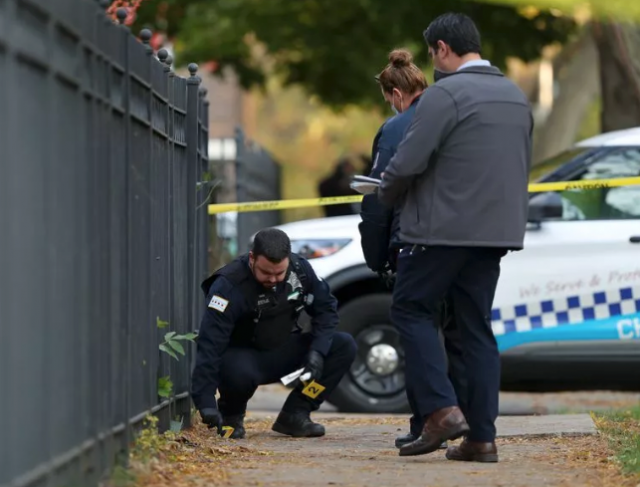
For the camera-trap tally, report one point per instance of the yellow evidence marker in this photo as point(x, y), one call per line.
point(228, 431)
point(312, 389)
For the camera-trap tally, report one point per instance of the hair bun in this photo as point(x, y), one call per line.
point(400, 58)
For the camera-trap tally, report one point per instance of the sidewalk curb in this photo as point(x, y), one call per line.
point(538, 426)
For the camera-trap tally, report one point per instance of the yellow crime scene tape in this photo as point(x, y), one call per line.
point(309, 202)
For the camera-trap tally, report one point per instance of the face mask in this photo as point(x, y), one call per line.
point(395, 110)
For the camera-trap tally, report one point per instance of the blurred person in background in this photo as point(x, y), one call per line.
point(367, 163)
point(462, 170)
point(402, 84)
point(337, 184)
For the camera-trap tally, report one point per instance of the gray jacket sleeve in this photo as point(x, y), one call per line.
point(435, 117)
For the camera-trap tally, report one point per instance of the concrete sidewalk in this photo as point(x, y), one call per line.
point(271, 398)
point(507, 426)
point(358, 450)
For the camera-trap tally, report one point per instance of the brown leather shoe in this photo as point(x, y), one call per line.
point(443, 425)
point(473, 451)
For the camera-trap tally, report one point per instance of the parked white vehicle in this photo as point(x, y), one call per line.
point(567, 308)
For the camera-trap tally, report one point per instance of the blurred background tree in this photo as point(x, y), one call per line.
point(333, 50)
point(311, 65)
point(599, 82)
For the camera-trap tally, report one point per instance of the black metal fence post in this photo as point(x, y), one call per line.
point(193, 83)
point(180, 216)
point(257, 179)
point(205, 186)
point(166, 368)
point(121, 88)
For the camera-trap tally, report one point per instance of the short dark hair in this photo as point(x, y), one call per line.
point(271, 243)
point(456, 30)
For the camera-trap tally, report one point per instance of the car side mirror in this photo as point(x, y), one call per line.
point(545, 206)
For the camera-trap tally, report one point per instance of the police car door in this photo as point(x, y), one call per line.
point(578, 278)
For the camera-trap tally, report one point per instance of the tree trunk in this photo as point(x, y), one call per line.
point(619, 50)
point(578, 86)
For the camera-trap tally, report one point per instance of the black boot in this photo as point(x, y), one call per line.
point(409, 437)
point(298, 425)
point(237, 423)
point(404, 439)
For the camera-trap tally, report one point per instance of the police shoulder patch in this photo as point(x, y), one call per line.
point(294, 281)
point(218, 303)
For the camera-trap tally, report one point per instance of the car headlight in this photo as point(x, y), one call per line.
point(312, 249)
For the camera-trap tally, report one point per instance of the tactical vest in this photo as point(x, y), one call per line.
point(272, 315)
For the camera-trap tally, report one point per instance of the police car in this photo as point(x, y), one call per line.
point(567, 308)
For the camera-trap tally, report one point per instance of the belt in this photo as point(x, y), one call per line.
point(413, 248)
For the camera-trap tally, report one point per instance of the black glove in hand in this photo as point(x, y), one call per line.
point(212, 418)
point(388, 278)
point(314, 365)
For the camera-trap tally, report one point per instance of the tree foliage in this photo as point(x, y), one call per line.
point(618, 47)
point(333, 49)
point(609, 10)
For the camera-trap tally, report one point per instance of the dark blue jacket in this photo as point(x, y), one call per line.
point(380, 226)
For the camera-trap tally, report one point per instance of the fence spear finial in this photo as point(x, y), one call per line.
point(122, 14)
point(164, 58)
point(145, 37)
point(193, 69)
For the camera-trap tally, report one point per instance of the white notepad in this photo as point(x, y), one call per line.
point(364, 184)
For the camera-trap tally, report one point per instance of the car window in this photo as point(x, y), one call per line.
point(546, 167)
point(606, 203)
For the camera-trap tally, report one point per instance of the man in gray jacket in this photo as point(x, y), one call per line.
point(463, 168)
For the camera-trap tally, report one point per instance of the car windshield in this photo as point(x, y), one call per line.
point(539, 171)
point(584, 164)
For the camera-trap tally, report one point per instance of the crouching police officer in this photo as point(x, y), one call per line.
point(249, 337)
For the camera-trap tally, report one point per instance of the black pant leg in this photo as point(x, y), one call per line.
point(423, 280)
point(450, 339)
point(244, 369)
point(240, 376)
point(337, 363)
point(472, 295)
point(416, 422)
point(455, 357)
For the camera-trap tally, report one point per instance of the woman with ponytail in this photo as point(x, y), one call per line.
point(402, 84)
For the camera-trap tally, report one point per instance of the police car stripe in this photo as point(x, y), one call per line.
point(565, 311)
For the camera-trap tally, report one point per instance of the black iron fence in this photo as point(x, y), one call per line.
point(103, 228)
point(257, 179)
point(246, 172)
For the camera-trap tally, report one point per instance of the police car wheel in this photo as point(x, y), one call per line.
point(375, 382)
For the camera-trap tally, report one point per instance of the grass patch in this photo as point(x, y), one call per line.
point(621, 428)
